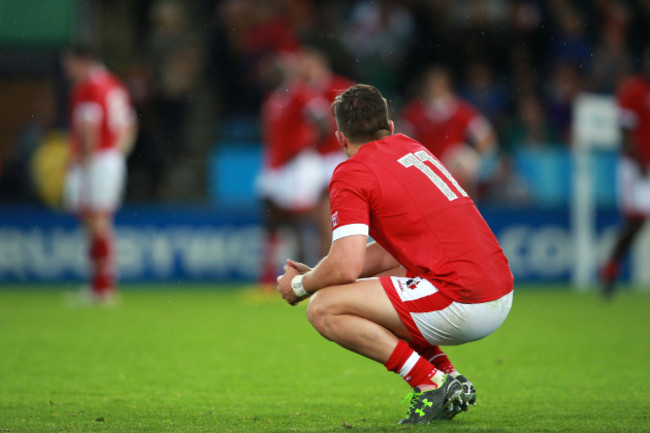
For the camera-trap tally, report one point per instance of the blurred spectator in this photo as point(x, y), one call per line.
point(378, 36)
point(570, 43)
point(17, 181)
point(244, 35)
point(500, 52)
point(150, 158)
point(452, 129)
point(563, 85)
point(484, 30)
point(488, 96)
point(529, 127)
point(175, 57)
point(611, 59)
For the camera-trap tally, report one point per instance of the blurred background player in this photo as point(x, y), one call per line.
point(318, 74)
point(294, 120)
point(102, 131)
point(633, 100)
point(451, 128)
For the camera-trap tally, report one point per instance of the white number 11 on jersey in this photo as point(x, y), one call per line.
point(417, 160)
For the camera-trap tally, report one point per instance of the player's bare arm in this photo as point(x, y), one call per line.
point(342, 265)
point(127, 140)
point(630, 149)
point(89, 137)
point(377, 261)
point(483, 136)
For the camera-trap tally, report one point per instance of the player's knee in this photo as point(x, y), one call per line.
point(319, 312)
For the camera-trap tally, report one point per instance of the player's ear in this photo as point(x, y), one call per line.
point(392, 126)
point(340, 137)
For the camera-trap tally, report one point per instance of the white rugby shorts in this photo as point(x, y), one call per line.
point(330, 161)
point(296, 186)
point(633, 189)
point(443, 322)
point(97, 186)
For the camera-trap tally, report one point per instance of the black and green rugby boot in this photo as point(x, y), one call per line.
point(435, 404)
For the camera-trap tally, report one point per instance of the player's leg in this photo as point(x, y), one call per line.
point(296, 222)
point(272, 223)
point(634, 201)
point(104, 183)
point(435, 355)
point(439, 359)
point(101, 254)
point(361, 318)
point(631, 228)
point(398, 271)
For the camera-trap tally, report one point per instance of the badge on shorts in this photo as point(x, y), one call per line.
point(412, 283)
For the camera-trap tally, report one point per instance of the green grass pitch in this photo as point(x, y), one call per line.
point(193, 358)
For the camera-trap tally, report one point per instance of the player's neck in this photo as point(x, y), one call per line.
point(352, 149)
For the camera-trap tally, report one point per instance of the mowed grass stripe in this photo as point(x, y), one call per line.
point(235, 359)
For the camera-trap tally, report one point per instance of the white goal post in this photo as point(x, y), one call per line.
point(595, 126)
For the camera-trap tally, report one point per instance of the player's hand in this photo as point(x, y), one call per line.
point(284, 285)
point(300, 267)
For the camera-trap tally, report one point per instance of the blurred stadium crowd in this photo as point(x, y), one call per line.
point(198, 71)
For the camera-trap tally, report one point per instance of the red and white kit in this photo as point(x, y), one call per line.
point(633, 101)
point(445, 128)
point(292, 173)
point(397, 192)
point(97, 185)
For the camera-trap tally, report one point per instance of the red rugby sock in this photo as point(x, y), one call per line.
point(269, 271)
point(438, 358)
point(101, 254)
point(412, 367)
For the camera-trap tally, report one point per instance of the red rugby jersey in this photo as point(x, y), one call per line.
point(633, 99)
point(399, 193)
point(336, 85)
point(102, 98)
point(288, 126)
point(440, 130)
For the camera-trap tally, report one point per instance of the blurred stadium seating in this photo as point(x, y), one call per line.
point(196, 72)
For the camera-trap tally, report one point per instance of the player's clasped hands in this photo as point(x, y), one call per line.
point(291, 269)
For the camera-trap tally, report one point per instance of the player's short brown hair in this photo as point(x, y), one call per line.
point(361, 114)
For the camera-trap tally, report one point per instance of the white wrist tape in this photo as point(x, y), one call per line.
point(297, 287)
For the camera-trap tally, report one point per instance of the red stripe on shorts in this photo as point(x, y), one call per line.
point(434, 302)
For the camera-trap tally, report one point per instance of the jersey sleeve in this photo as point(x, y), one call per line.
point(476, 125)
point(350, 196)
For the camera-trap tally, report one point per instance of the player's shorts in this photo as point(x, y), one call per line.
point(434, 319)
point(330, 161)
point(294, 187)
point(634, 189)
point(96, 187)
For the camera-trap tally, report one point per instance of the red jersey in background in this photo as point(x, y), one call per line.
point(633, 99)
point(288, 127)
point(440, 129)
point(335, 86)
point(102, 99)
